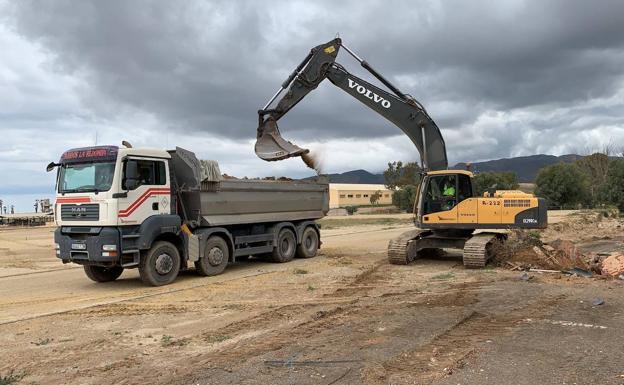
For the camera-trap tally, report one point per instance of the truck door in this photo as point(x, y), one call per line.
point(151, 195)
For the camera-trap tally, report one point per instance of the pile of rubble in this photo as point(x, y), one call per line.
point(525, 251)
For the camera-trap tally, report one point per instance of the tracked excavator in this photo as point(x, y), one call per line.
point(447, 212)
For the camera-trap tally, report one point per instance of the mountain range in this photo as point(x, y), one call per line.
point(526, 167)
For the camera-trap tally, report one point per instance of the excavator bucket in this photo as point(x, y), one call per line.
point(270, 145)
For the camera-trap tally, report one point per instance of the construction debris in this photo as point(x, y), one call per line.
point(545, 271)
point(575, 248)
point(580, 272)
point(613, 265)
point(597, 301)
point(525, 253)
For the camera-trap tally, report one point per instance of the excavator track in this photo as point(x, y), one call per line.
point(476, 250)
point(398, 248)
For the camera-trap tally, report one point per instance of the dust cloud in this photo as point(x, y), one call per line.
point(313, 161)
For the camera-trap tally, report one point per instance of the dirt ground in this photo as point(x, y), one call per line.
point(344, 317)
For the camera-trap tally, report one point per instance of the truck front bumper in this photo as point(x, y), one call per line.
point(83, 245)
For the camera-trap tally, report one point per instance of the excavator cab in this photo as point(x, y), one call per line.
point(442, 191)
point(441, 199)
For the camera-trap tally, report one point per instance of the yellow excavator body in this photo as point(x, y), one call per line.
point(465, 210)
point(486, 210)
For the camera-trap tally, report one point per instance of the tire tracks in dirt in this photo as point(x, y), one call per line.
point(450, 349)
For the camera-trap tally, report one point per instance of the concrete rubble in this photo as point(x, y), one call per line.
point(558, 256)
point(613, 265)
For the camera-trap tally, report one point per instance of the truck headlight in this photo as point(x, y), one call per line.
point(109, 250)
point(57, 246)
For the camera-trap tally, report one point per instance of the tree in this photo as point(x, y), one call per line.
point(596, 169)
point(613, 188)
point(374, 198)
point(404, 198)
point(403, 178)
point(400, 175)
point(502, 181)
point(563, 185)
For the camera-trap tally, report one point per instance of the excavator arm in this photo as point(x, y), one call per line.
point(401, 109)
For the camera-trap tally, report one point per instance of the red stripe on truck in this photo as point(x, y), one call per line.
point(139, 201)
point(73, 200)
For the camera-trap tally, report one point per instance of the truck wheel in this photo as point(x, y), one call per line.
point(103, 274)
point(309, 243)
point(215, 259)
point(160, 265)
point(284, 250)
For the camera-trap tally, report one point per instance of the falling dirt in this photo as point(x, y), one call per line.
point(313, 162)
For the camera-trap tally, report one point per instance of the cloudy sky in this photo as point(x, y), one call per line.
point(501, 79)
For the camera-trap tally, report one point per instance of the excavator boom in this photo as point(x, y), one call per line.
point(401, 109)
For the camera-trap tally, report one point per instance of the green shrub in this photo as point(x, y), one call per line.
point(404, 198)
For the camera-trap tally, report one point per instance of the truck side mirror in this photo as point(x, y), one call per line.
point(132, 175)
point(51, 166)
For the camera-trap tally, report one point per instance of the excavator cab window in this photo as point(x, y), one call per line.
point(464, 187)
point(440, 193)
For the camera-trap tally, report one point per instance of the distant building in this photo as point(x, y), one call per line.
point(347, 194)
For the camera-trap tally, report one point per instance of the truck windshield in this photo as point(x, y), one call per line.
point(86, 177)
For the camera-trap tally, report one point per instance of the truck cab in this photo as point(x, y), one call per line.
point(93, 187)
point(156, 210)
point(106, 199)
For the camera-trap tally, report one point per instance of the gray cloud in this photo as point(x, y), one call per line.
point(210, 65)
point(500, 78)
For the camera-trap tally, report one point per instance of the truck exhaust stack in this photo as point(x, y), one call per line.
point(270, 145)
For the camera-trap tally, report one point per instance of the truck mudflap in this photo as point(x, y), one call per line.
point(84, 245)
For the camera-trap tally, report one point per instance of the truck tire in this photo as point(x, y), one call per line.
point(309, 243)
point(215, 258)
point(284, 250)
point(103, 274)
point(160, 265)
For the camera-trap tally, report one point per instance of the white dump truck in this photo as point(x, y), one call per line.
point(161, 211)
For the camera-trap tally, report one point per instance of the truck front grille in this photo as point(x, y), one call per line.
point(86, 212)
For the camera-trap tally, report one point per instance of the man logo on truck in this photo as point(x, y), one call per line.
point(78, 211)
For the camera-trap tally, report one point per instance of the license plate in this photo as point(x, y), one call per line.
point(78, 246)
